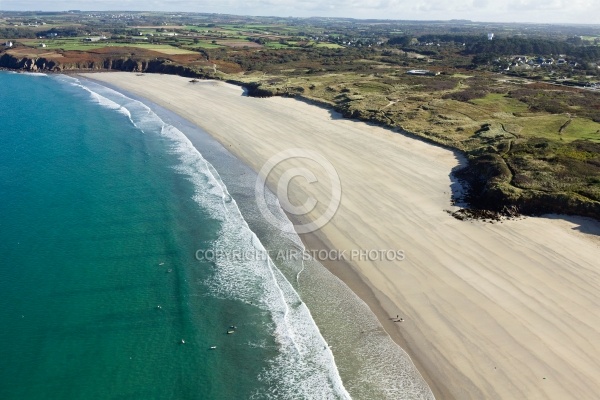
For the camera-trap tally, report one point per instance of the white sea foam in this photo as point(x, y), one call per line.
point(97, 98)
point(304, 367)
point(374, 366)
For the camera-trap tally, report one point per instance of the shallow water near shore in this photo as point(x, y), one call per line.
point(105, 205)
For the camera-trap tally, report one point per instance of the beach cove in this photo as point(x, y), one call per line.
point(498, 311)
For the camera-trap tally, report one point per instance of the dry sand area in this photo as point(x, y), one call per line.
point(492, 311)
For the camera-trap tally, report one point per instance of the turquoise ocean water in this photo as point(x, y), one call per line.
point(104, 204)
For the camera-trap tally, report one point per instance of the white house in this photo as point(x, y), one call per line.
point(490, 36)
point(421, 72)
point(42, 44)
point(8, 44)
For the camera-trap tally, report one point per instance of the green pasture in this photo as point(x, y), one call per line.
point(77, 44)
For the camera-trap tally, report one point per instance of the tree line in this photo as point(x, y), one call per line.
point(484, 49)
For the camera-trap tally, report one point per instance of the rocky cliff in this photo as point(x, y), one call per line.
point(46, 64)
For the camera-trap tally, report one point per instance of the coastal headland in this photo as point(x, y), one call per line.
point(502, 310)
point(532, 148)
point(519, 101)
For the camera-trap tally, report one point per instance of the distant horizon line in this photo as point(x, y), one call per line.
point(458, 20)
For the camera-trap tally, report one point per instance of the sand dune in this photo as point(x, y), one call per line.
point(492, 311)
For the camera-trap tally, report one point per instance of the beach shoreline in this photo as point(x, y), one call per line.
point(226, 163)
point(496, 308)
point(375, 301)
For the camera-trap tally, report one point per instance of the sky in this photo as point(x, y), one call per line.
point(540, 11)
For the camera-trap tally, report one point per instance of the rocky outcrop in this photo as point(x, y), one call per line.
point(488, 179)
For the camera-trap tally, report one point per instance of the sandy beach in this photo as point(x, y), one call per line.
point(491, 311)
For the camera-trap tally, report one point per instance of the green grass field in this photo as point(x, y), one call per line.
point(161, 48)
point(64, 44)
point(372, 87)
point(330, 45)
point(497, 102)
point(77, 44)
point(539, 124)
point(582, 128)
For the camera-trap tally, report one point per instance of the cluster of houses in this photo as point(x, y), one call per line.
point(112, 16)
point(524, 62)
point(33, 24)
